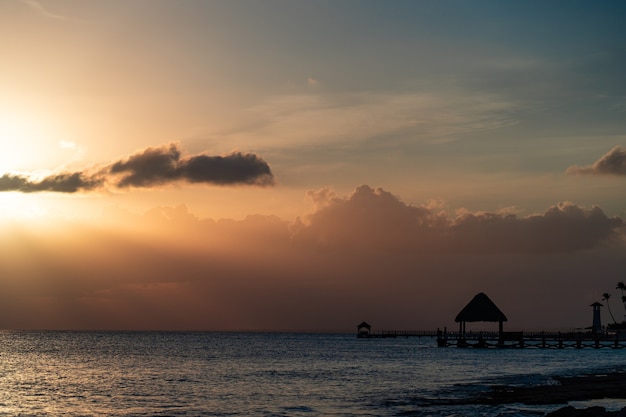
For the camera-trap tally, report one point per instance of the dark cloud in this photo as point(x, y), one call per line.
point(62, 183)
point(155, 166)
point(151, 167)
point(611, 163)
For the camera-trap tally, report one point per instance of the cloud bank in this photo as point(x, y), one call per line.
point(376, 218)
point(611, 163)
point(152, 167)
point(365, 256)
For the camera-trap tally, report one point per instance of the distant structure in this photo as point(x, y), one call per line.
point(363, 329)
point(481, 308)
point(596, 326)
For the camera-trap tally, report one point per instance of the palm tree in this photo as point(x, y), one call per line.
point(605, 297)
point(622, 288)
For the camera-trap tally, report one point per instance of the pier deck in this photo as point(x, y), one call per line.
point(399, 333)
point(546, 340)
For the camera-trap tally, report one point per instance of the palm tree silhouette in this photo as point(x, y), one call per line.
point(622, 288)
point(605, 297)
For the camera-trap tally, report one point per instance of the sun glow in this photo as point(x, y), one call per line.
point(14, 206)
point(28, 142)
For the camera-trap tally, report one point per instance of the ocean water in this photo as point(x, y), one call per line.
point(270, 374)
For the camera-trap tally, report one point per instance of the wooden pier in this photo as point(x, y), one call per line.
point(541, 340)
point(398, 333)
point(482, 309)
point(545, 340)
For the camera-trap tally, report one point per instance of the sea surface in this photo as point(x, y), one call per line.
point(270, 374)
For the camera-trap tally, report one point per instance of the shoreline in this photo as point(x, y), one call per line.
point(570, 388)
point(611, 385)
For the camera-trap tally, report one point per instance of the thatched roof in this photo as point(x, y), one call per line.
point(481, 308)
point(364, 325)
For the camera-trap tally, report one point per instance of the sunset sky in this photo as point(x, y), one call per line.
point(307, 165)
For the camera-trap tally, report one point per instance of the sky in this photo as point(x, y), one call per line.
point(274, 165)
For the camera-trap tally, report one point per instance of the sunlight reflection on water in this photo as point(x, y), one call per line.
point(193, 374)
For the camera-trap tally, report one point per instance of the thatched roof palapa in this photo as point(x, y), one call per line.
point(481, 308)
point(364, 325)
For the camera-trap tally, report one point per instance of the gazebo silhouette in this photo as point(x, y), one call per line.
point(481, 308)
point(363, 329)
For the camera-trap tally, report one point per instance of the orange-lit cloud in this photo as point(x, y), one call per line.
point(611, 163)
point(376, 218)
point(368, 255)
point(152, 167)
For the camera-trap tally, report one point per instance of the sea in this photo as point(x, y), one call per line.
point(48, 373)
